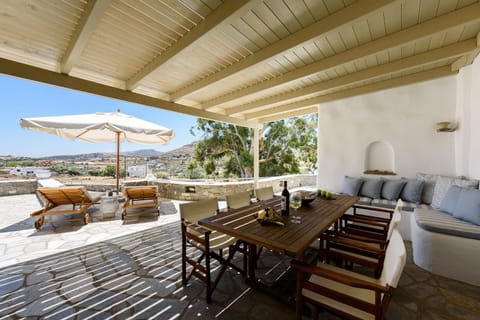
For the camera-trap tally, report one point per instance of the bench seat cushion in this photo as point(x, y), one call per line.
point(390, 204)
point(366, 201)
point(437, 221)
point(384, 203)
point(410, 206)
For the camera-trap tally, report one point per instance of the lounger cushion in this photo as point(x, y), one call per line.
point(468, 206)
point(371, 188)
point(441, 222)
point(412, 191)
point(392, 188)
point(351, 186)
point(449, 203)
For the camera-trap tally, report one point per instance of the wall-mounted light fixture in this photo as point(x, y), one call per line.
point(446, 126)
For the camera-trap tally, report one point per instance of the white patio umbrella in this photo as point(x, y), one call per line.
point(101, 127)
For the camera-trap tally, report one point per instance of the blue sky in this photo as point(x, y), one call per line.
point(24, 99)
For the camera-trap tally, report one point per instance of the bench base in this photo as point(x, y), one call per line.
point(446, 255)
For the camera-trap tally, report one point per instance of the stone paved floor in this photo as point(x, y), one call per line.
point(118, 270)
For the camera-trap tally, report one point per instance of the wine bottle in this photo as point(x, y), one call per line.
point(285, 200)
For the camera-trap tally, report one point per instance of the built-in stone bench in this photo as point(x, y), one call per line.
point(446, 246)
point(441, 243)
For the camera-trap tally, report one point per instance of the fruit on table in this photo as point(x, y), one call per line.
point(270, 215)
point(324, 194)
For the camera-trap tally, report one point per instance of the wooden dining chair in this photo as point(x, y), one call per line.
point(348, 294)
point(350, 249)
point(373, 222)
point(205, 244)
point(238, 200)
point(264, 193)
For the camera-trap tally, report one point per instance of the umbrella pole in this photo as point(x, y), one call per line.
point(117, 170)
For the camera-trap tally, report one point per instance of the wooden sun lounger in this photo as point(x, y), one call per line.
point(140, 197)
point(77, 197)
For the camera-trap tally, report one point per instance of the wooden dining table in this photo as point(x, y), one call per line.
point(292, 239)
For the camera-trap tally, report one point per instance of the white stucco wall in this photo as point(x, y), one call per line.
point(405, 117)
point(467, 137)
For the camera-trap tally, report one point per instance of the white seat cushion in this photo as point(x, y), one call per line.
point(362, 294)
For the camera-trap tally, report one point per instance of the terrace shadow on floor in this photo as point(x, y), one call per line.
point(138, 276)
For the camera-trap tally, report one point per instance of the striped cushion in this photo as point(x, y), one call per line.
point(437, 221)
point(384, 203)
point(366, 201)
point(410, 206)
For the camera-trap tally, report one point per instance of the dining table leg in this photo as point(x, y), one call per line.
point(252, 261)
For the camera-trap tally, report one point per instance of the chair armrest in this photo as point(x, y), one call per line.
point(372, 208)
point(366, 219)
point(196, 227)
point(346, 279)
point(358, 238)
point(355, 237)
point(355, 244)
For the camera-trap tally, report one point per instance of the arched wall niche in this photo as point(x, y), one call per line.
point(380, 158)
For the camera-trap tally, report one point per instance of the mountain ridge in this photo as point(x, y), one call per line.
point(183, 150)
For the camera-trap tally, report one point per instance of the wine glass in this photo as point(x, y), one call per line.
point(295, 203)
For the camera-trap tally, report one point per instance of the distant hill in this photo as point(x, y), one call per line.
point(185, 151)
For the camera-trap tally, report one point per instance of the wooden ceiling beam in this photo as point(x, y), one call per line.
point(91, 17)
point(420, 31)
point(356, 11)
point(260, 116)
point(429, 57)
point(225, 13)
point(24, 71)
point(289, 114)
point(468, 58)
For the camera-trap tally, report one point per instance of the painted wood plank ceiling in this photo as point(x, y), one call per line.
point(238, 61)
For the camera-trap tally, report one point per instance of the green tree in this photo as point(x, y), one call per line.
point(193, 171)
point(285, 145)
point(109, 171)
point(209, 167)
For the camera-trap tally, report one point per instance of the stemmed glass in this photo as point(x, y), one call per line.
point(295, 203)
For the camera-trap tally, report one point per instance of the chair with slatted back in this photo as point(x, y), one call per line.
point(238, 200)
point(210, 244)
point(56, 198)
point(348, 294)
point(358, 249)
point(264, 193)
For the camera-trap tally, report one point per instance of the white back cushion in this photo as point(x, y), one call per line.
point(194, 211)
point(395, 258)
point(238, 200)
point(264, 193)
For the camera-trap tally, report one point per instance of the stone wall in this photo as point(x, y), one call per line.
point(175, 189)
point(12, 187)
point(198, 190)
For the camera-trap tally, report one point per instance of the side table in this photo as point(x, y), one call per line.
point(109, 206)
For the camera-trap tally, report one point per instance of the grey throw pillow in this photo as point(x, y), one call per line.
point(468, 206)
point(412, 191)
point(449, 202)
point(444, 183)
point(392, 188)
point(429, 187)
point(371, 188)
point(351, 186)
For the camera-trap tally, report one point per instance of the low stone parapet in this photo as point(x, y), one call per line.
point(192, 190)
point(13, 187)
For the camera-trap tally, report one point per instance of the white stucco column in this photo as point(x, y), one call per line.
point(318, 147)
point(256, 155)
